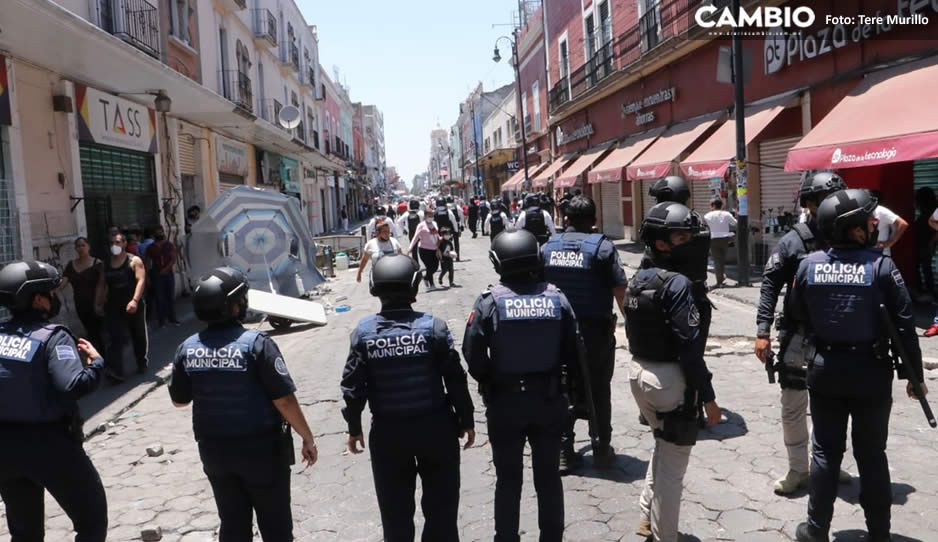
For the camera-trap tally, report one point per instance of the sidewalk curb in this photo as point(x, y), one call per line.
point(141, 393)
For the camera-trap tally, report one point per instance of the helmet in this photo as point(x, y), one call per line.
point(671, 188)
point(515, 253)
point(414, 205)
point(449, 199)
point(688, 258)
point(381, 211)
point(216, 291)
point(580, 207)
point(395, 278)
point(819, 186)
point(21, 280)
point(532, 200)
point(842, 211)
point(496, 205)
point(546, 200)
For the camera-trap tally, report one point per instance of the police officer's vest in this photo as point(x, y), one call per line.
point(404, 378)
point(496, 224)
point(413, 220)
point(570, 262)
point(528, 330)
point(26, 391)
point(843, 298)
point(647, 324)
point(807, 238)
point(441, 216)
point(228, 397)
point(534, 223)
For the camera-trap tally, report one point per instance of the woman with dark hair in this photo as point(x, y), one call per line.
point(83, 273)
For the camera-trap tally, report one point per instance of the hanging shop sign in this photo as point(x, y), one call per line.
point(581, 132)
point(641, 118)
point(513, 165)
point(232, 157)
point(6, 113)
point(107, 119)
point(290, 175)
point(786, 48)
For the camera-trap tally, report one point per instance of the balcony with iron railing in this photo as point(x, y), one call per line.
point(135, 21)
point(265, 27)
point(662, 21)
point(295, 56)
point(270, 109)
point(236, 88)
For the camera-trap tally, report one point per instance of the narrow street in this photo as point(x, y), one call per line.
point(728, 492)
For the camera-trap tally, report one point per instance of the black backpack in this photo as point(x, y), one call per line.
point(441, 216)
point(413, 220)
point(534, 223)
point(496, 224)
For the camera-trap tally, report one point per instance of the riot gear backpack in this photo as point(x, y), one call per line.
point(534, 223)
point(441, 216)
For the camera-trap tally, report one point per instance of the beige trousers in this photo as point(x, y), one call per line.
point(795, 411)
point(659, 387)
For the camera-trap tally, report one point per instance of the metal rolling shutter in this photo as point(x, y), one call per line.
point(647, 201)
point(188, 161)
point(700, 196)
point(779, 188)
point(611, 200)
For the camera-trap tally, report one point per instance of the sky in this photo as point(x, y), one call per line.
point(417, 60)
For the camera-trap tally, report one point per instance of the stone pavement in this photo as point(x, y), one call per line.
point(728, 487)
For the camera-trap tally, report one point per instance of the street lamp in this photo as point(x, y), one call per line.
point(513, 40)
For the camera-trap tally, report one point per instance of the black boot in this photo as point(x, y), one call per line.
point(807, 533)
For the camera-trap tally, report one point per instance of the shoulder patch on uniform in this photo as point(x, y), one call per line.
point(897, 277)
point(693, 316)
point(281, 366)
point(65, 352)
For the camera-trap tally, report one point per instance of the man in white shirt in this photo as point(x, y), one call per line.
point(381, 215)
point(721, 224)
point(891, 227)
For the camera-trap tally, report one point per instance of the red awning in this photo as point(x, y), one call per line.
point(712, 157)
point(612, 168)
point(890, 117)
point(542, 178)
point(572, 174)
point(516, 182)
point(656, 161)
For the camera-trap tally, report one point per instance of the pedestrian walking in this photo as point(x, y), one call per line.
point(926, 204)
point(535, 219)
point(427, 238)
point(850, 373)
point(404, 365)
point(379, 247)
point(496, 222)
point(520, 339)
point(43, 371)
point(473, 214)
point(162, 256)
point(484, 210)
point(803, 239)
point(243, 408)
point(721, 224)
point(381, 214)
point(446, 252)
point(82, 274)
point(586, 267)
point(344, 219)
point(120, 294)
point(667, 374)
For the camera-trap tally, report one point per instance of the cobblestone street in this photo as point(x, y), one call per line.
point(728, 493)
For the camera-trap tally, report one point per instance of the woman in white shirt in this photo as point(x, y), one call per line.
point(721, 224)
point(382, 245)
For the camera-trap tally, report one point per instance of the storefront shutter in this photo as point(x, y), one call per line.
point(188, 161)
point(700, 196)
point(647, 201)
point(925, 174)
point(611, 201)
point(778, 193)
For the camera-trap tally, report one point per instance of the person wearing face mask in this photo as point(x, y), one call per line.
point(427, 240)
point(837, 294)
point(446, 252)
point(43, 371)
point(380, 246)
point(120, 295)
point(794, 246)
point(668, 375)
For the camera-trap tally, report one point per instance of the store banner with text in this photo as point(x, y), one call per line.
point(107, 119)
point(231, 156)
point(290, 175)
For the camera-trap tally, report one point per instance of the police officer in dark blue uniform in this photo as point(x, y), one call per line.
point(42, 373)
point(780, 269)
point(241, 392)
point(837, 294)
point(399, 362)
point(586, 267)
point(497, 221)
point(668, 375)
point(536, 219)
point(520, 342)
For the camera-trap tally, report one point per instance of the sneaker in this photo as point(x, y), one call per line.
point(791, 482)
point(569, 460)
point(932, 331)
point(806, 533)
point(604, 457)
point(644, 527)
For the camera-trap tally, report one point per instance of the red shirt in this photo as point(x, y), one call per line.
point(162, 254)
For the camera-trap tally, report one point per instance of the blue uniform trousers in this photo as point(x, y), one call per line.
point(513, 418)
point(35, 458)
point(249, 475)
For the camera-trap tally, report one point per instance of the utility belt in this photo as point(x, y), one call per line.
point(72, 424)
point(281, 437)
point(538, 384)
point(681, 425)
point(879, 349)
